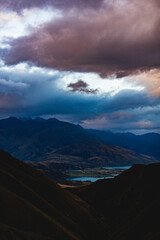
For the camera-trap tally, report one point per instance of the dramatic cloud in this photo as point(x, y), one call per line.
point(81, 86)
point(140, 120)
point(121, 39)
point(151, 80)
point(32, 92)
point(114, 38)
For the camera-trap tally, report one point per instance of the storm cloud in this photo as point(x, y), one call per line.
point(34, 92)
point(116, 39)
point(122, 39)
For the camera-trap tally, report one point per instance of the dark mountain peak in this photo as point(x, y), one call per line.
point(13, 119)
point(151, 134)
point(39, 119)
point(53, 120)
point(63, 124)
point(79, 126)
point(129, 134)
point(30, 120)
point(10, 122)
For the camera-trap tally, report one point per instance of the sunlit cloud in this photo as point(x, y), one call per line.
point(151, 80)
point(104, 85)
point(14, 25)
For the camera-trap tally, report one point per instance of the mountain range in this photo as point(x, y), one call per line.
point(148, 144)
point(42, 140)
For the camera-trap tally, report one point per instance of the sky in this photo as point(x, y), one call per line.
point(95, 63)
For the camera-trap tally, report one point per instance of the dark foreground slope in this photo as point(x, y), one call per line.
point(130, 203)
point(35, 208)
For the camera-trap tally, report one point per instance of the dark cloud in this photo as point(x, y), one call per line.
point(129, 99)
point(106, 37)
point(121, 40)
point(18, 5)
point(34, 93)
point(78, 85)
point(81, 86)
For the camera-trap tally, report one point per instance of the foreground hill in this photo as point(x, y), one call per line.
point(33, 207)
point(130, 203)
point(61, 142)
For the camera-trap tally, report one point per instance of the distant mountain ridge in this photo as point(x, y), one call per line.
point(53, 140)
point(148, 144)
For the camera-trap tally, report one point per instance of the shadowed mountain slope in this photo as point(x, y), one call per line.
point(148, 144)
point(33, 207)
point(129, 203)
point(29, 140)
point(54, 140)
point(99, 154)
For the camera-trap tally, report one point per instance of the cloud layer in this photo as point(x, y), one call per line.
point(34, 92)
point(116, 38)
point(120, 38)
point(19, 5)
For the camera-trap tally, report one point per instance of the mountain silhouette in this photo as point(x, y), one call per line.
point(147, 144)
point(129, 203)
point(53, 140)
point(34, 207)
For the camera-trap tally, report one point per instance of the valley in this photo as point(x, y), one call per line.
point(65, 151)
point(94, 174)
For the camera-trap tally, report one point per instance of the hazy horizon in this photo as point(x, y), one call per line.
point(138, 132)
